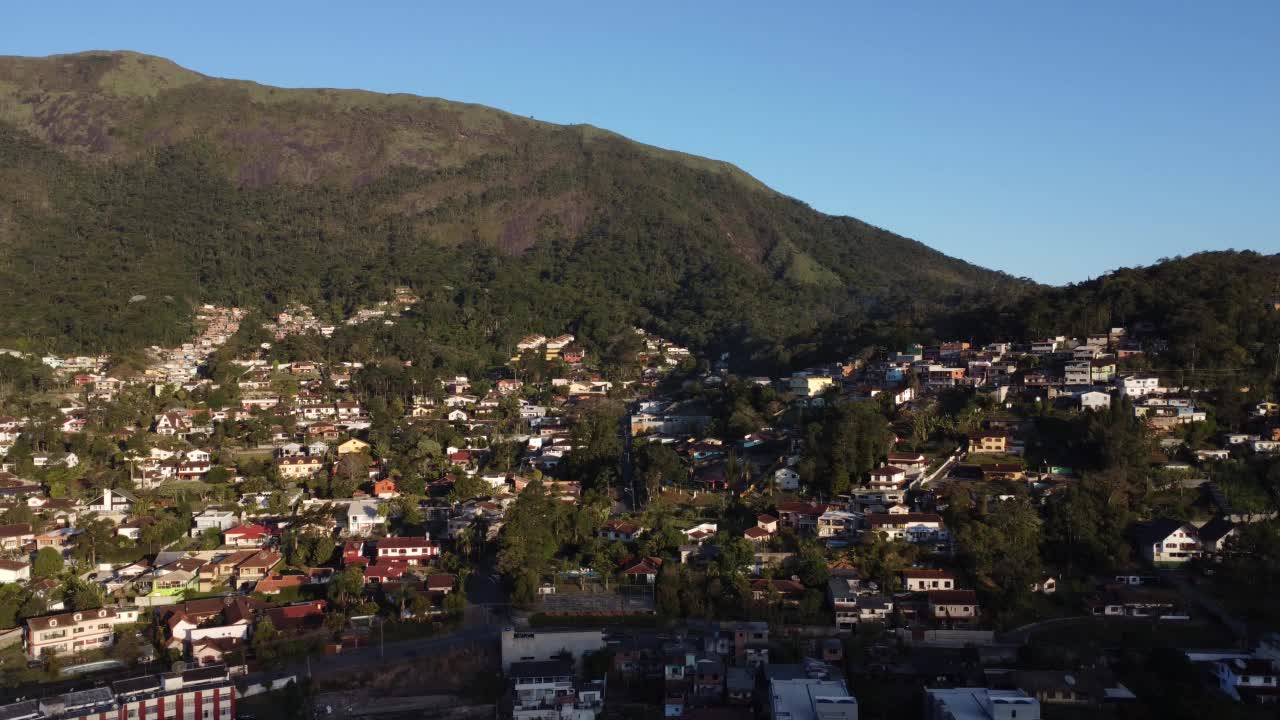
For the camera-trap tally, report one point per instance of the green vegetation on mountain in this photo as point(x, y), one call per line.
point(131, 188)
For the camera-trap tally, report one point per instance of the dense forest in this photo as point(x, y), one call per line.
point(130, 188)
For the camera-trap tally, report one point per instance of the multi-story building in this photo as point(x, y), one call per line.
point(202, 694)
point(73, 632)
point(547, 690)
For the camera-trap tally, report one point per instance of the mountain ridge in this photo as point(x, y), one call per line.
point(135, 176)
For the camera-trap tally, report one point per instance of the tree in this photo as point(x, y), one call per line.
point(466, 487)
point(266, 642)
point(81, 595)
point(655, 463)
point(48, 563)
point(1001, 549)
point(848, 444)
point(97, 535)
point(597, 445)
point(347, 585)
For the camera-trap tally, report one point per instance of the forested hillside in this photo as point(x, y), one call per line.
point(131, 188)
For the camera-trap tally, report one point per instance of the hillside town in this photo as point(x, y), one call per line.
point(942, 531)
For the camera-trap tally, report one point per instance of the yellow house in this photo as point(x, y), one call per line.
point(353, 446)
point(988, 442)
point(810, 385)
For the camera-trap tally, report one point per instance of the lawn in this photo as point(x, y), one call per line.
point(1140, 633)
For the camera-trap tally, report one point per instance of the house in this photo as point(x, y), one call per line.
point(14, 571)
point(409, 550)
point(363, 517)
point(298, 617)
point(700, 533)
point(1168, 541)
point(622, 530)
point(910, 462)
point(808, 386)
point(786, 479)
point(912, 527)
point(171, 423)
point(1251, 679)
point(953, 605)
point(353, 552)
point(276, 584)
point(385, 573)
point(1046, 585)
point(800, 516)
point(1215, 534)
point(989, 442)
point(924, 580)
point(837, 523)
point(640, 569)
point(213, 519)
point(247, 536)
point(257, 566)
point(842, 592)
point(874, 608)
point(888, 478)
point(441, 583)
point(1094, 400)
point(71, 632)
point(385, 489)
point(353, 446)
point(299, 467)
point(112, 502)
point(16, 536)
point(212, 651)
point(788, 592)
point(1138, 386)
point(221, 571)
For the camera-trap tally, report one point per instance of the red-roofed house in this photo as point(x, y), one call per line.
point(789, 591)
point(923, 579)
point(384, 572)
point(953, 604)
point(275, 584)
point(641, 569)
point(442, 583)
point(621, 530)
point(412, 551)
point(298, 617)
point(247, 536)
point(353, 552)
point(385, 489)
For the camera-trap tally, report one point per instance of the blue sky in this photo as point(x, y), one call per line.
point(1052, 140)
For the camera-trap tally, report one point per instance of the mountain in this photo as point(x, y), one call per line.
point(131, 188)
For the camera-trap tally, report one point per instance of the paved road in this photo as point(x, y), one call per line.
point(1179, 580)
point(394, 651)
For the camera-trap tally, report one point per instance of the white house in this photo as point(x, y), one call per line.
point(1136, 386)
point(363, 517)
point(1169, 541)
point(786, 479)
point(1094, 400)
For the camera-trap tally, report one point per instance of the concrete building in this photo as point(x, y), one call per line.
point(545, 645)
point(811, 699)
point(970, 703)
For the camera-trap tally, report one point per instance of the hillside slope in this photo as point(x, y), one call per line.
point(123, 175)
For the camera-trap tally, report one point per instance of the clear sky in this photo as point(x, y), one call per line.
point(1052, 140)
